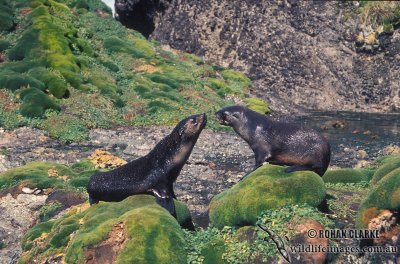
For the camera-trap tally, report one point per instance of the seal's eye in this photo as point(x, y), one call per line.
point(235, 115)
point(194, 121)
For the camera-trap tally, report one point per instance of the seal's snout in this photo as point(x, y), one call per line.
point(221, 117)
point(202, 119)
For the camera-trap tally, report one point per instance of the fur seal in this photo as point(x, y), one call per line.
point(154, 173)
point(276, 142)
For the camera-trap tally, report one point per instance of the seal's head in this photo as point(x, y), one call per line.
point(231, 116)
point(191, 127)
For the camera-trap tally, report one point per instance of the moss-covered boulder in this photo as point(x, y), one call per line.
point(345, 176)
point(48, 175)
point(384, 195)
point(389, 165)
point(135, 230)
point(266, 188)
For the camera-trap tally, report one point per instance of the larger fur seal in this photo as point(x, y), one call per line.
point(277, 142)
point(154, 173)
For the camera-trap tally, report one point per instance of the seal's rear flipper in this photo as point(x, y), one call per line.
point(167, 203)
point(297, 168)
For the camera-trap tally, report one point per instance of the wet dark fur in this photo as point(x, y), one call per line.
point(277, 142)
point(154, 173)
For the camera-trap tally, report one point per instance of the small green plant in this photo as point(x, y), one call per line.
point(48, 210)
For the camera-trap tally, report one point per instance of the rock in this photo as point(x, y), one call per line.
point(103, 159)
point(345, 176)
point(385, 169)
point(266, 40)
point(362, 164)
point(135, 230)
point(341, 124)
point(17, 216)
point(66, 198)
point(385, 195)
point(361, 154)
point(267, 188)
point(27, 190)
point(302, 238)
point(391, 149)
point(141, 15)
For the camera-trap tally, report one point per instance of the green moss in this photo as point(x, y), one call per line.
point(55, 83)
point(34, 102)
point(4, 44)
point(152, 234)
point(14, 81)
point(384, 195)
point(6, 17)
point(258, 105)
point(115, 44)
point(386, 168)
point(35, 174)
point(66, 128)
point(345, 176)
point(268, 187)
point(48, 210)
point(213, 252)
point(236, 76)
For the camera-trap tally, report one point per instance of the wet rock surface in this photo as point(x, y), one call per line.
point(292, 50)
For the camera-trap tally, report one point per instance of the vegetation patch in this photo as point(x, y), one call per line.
point(249, 244)
point(74, 55)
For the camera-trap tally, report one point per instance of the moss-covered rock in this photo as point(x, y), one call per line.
point(47, 175)
point(387, 166)
point(266, 188)
point(135, 230)
point(346, 175)
point(384, 195)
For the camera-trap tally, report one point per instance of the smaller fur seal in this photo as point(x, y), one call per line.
point(154, 173)
point(276, 142)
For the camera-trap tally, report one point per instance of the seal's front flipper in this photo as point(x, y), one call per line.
point(92, 200)
point(164, 199)
point(167, 203)
point(297, 168)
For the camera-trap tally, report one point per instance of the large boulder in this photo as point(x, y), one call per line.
point(135, 230)
point(266, 188)
point(346, 175)
point(391, 164)
point(385, 195)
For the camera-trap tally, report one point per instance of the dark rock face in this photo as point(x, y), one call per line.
point(141, 15)
point(299, 54)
